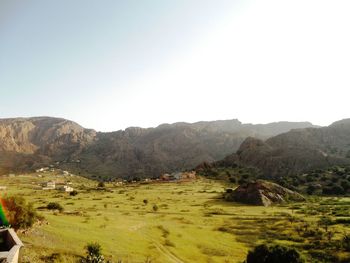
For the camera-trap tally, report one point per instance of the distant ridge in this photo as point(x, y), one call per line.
point(297, 151)
point(28, 143)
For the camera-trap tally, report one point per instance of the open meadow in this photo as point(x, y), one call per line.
point(170, 222)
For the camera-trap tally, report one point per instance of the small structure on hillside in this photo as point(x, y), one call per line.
point(48, 185)
point(3, 187)
point(43, 169)
point(188, 175)
point(10, 246)
point(66, 188)
point(179, 176)
point(167, 177)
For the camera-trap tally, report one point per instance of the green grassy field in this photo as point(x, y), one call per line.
point(192, 223)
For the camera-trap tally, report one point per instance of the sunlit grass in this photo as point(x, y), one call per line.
point(192, 223)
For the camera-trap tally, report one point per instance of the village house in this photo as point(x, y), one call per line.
point(179, 176)
point(43, 169)
point(167, 177)
point(66, 188)
point(49, 185)
point(188, 175)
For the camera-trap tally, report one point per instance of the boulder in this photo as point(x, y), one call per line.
point(262, 193)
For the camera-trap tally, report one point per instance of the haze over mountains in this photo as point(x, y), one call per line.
point(29, 143)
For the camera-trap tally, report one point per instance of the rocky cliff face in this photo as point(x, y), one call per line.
point(31, 142)
point(262, 193)
point(27, 143)
point(297, 151)
point(52, 137)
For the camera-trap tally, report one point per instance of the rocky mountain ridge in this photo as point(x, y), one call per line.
point(28, 143)
point(296, 151)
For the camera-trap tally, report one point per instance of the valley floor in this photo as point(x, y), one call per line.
point(191, 223)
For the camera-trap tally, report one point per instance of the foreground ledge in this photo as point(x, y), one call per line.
point(10, 245)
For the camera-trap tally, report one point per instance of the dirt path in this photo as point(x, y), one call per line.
point(165, 252)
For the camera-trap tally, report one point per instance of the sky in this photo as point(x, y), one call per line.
point(112, 64)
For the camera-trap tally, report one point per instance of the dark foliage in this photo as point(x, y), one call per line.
point(273, 254)
point(54, 206)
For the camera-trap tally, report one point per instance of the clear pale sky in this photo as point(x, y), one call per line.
point(111, 64)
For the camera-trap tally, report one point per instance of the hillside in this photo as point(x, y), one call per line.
point(296, 151)
point(28, 143)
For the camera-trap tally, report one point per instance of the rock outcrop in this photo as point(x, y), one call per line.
point(262, 193)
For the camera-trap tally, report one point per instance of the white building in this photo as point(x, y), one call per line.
point(49, 185)
point(66, 188)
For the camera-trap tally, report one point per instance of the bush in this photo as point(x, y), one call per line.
point(155, 208)
point(233, 180)
point(101, 184)
point(19, 214)
point(345, 184)
point(73, 193)
point(54, 206)
point(325, 222)
point(310, 189)
point(333, 190)
point(94, 253)
point(345, 242)
point(275, 253)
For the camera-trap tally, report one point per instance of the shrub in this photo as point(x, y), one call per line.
point(94, 253)
point(18, 213)
point(325, 222)
point(345, 184)
point(54, 206)
point(145, 201)
point(345, 242)
point(275, 253)
point(310, 189)
point(333, 190)
point(155, 208)
point(73, 193)
point(168, 243)
point(233, 180)
point(101, 184)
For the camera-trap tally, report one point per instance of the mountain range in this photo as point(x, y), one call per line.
point(29, 143)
